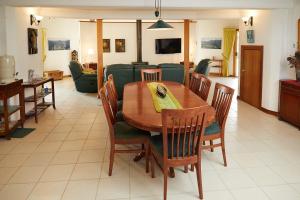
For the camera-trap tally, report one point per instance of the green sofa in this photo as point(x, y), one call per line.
point(86, 83)
point(127, 73)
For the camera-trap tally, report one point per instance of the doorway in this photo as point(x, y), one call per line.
point(298, 34)
point(251, 71)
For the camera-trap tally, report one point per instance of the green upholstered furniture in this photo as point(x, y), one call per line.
point(125, 131)
point(203, 67)
point(86, 83)
point(212, 129)
point(172, 72)
point(122, 73)
point(127, 73)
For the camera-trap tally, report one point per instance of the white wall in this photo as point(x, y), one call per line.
point(2, 31)
point(17, 22)
point(58, 28)
point(270, 29)
point(212, 29)
point(127, 31)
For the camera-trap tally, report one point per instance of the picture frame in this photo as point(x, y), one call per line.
point(120, 45)
point(106, 45)
point(250, 36)
point(58, 44)
point(211, 43)
point(32, 41)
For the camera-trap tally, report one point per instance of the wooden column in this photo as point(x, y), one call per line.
point(187, 51)
point(100, 52)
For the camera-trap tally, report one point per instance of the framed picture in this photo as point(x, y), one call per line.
point(250, 36)
point(211, 43)
point(58, 44)
point(106, 45)
point(32, 41)
point(120, 45)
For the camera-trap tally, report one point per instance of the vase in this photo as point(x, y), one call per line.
point(7, 68)
point(298, 74)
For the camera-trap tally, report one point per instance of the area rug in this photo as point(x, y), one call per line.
point(21, 132)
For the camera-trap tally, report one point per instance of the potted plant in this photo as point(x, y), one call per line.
point(294, 61)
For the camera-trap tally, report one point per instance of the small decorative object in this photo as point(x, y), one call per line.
point(161, 91)
point(120, 45)
point(294, 61)
point(211, 43)
point(250, 36)
point(74, 55)
point(248, 21)
point(32, 41)
point(58, 44)
point(7, 68)
point(30, 75)
point(106, 45)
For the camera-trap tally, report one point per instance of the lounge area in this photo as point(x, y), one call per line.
point(160, 100)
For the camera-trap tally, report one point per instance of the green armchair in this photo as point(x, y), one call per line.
point(203, 67)
point(86, 83)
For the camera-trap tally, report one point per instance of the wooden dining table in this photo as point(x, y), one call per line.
point(138, 108)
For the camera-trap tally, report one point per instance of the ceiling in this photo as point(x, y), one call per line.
point(147, 4)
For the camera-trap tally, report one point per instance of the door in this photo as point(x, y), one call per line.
point(251, 75)
point(298, 34)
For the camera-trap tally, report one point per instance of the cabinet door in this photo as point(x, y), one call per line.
point(290, 107)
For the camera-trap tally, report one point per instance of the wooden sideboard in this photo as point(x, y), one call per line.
point(289, 102)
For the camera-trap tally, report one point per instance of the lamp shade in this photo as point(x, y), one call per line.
point(160, 25)
point(7, 68)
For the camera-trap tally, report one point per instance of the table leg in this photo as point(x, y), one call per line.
point(171, 172)
point(139, 156)
point(53, 94)
point(35, 105)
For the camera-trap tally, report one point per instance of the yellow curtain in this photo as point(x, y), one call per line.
point(44, 44)
point(229, 36)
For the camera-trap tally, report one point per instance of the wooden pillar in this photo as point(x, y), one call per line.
point(187, 51)
point(100, 52)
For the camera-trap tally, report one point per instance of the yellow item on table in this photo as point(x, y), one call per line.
point(89, 71)
point(168, 102)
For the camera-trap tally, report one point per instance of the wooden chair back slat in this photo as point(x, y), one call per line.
point(151, 75)
point(111, 97)
point(108, 112)
point(183, 128)
point(200, 85)
point(221, 102)
point(113, 86)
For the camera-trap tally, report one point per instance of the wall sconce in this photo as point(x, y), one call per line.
point(35, 19)
point(248, 21)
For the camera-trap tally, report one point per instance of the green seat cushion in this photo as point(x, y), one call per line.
point(120, 105)
point(214, 128)
point(157, 143)
point(119, 116)
point(125, 131)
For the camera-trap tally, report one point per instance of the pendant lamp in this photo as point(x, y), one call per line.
point(160, 24)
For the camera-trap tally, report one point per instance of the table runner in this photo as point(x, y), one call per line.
point(169, 102)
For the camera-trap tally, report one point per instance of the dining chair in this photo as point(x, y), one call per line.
point(221, 103)
point(114, 89)
point(151, 74)
point(124, 134)
point(178, 145)
point(112, 98)
point(200, 85)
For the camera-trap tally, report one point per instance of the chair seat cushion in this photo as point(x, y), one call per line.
point(157, 143)
point(214, 128)
point(119, 116)
point(120, 104)
point(125, 131)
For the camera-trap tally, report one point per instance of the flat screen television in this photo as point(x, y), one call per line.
point(168, 46)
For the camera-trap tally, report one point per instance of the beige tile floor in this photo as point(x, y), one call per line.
point(66, 157)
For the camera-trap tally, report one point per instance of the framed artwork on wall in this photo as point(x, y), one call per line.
point(58, 44)
point(120, 45)
point(32, 40)
point(211, 43)
point(106, 45)
point(250, 36)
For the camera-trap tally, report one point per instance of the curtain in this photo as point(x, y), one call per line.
point(229, 36)
point(44, 44)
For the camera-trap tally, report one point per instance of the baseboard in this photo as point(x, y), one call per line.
point(214, 74)
point(270, 112)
